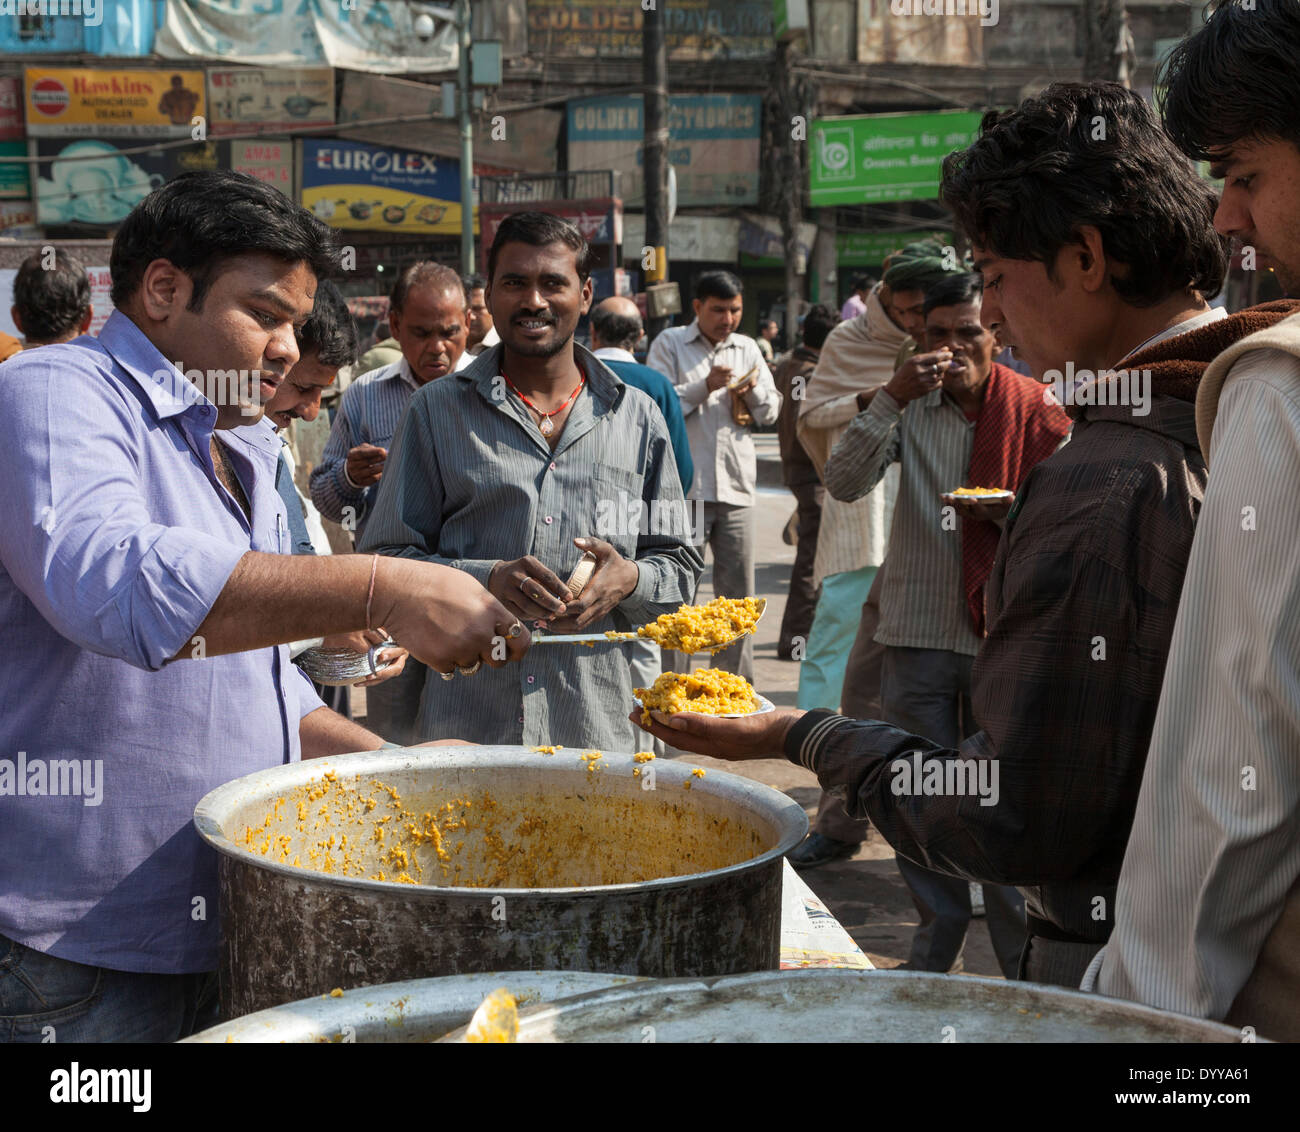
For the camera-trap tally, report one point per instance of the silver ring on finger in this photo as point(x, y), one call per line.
point(447, 675)
point(515, 629)
point(470, 671)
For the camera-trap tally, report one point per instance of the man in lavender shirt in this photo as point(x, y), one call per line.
point(145, 600)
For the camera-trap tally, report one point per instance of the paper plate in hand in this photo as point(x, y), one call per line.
point(764, 706)
point(981, 496)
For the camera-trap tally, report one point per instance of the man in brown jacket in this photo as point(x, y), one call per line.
point(1095, 269)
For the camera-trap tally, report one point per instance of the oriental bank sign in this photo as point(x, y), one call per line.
point(874, 158)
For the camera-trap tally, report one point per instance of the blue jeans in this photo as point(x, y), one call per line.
point(834, 628)
point(927, 692)
point(44, 999)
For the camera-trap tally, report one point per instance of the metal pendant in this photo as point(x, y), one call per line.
point(547, 426)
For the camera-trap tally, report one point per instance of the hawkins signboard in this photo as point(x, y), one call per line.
point(65, 102)
point(380, 188)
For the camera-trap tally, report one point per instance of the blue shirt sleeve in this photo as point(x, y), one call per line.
point(293, 506)
point(76, 532)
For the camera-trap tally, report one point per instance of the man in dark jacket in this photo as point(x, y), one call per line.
point(800, 476)
point(1105, 299)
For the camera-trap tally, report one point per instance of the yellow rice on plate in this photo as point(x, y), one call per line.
point(710, 691)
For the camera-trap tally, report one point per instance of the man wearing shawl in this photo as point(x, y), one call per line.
point(858, 358)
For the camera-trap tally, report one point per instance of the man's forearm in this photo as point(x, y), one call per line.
point(272, 599)
point(325, 732)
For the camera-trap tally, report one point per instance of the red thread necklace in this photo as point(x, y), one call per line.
point(546, 426)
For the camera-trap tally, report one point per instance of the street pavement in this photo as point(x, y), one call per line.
point(865, 892)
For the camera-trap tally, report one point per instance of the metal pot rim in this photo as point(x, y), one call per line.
point(780, 809)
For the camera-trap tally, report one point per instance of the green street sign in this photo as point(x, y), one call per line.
point(876, 158)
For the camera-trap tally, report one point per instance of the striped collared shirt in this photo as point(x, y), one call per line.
point(726, 467)
point(1214, 849)
point(922, 603)
point(471, 482)
point(368, 413)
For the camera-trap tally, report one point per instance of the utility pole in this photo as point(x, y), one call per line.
point(791, 178)
point(465, 94)
point(654, 67)
point(1103, 25)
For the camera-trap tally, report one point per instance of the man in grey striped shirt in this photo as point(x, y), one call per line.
point(924, 419)
point(510, 470)
point(429, 317)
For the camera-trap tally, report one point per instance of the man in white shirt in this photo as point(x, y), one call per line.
point(720, 375)
point(1208, 908)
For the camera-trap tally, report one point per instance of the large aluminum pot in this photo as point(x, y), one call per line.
point(841, 1006)
point(421, 1010)
point(583, 869)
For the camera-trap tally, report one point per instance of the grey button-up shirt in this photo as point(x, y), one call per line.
point(470, 481)
point(726, 468)
point(368, 413)
point(922, 604)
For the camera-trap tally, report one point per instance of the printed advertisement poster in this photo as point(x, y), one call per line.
point(374, 188)
point(267, 159)
point(693, 29)
point(383, 36)
point(89, 181)
point(11, 108)
point(15, 180)
point(713, 145)
point(241, 99)
point(66, 102)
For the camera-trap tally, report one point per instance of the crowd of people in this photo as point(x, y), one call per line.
point(1077, 691)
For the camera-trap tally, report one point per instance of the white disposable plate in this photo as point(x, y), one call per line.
point(983, 496)
point(764, 706)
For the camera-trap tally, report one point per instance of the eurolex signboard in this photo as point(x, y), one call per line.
point(380, 188)
point(873, 158)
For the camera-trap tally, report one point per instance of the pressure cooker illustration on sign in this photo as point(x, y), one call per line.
point(92, 182)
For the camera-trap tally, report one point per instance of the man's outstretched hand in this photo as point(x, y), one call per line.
point(749, 737)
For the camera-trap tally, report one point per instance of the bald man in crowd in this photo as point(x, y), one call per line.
point(429, 317)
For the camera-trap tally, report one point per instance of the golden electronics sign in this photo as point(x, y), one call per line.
point(65, 102)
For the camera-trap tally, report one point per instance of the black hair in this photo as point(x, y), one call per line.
point(1235, 79)
point(201, 221)
point(614, 329)
point(425, 273)
point(765, 323)
point(52, 301)
point(954, 291)
point(718, 285)
point(330, 333)
point(474, 283)
point(861, 281)
point(817, 324)
point(539, 229)
point(1089, 154)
